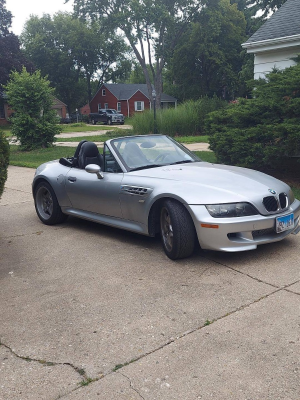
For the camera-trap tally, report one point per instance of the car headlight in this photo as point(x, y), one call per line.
point(231, 210)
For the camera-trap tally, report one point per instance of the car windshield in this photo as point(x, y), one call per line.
point(111, 111)
point(141, 152)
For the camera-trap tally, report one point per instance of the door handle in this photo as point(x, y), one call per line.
point(72, 179)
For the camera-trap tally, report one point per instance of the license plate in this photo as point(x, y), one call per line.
point(284, 223)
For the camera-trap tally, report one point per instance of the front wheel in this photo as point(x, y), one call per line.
point(46, 205)
point(177, 230)
point(109, 121)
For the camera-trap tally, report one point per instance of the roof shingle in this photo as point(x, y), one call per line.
point(284, 22)
point(124, 91)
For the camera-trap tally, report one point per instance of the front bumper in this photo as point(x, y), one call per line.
point(118, 119)
point(242, 233)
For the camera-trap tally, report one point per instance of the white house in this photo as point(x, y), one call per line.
point(277, 41)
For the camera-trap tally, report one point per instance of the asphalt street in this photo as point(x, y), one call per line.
point(92, 312)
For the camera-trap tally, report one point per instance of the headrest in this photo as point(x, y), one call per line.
point(89, 149)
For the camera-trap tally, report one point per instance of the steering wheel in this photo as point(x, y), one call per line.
point(161, 157)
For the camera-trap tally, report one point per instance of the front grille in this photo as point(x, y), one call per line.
point(273, 203)
point(270, 203)
point(283, 200)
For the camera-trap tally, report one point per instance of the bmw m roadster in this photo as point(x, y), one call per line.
point(153, 185)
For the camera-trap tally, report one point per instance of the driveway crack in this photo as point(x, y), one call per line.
point(243, 273)
point(79, 371)
point(131, 385)
point(191, 331)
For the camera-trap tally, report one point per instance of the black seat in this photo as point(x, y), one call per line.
point(76, 155)
point(89, 154)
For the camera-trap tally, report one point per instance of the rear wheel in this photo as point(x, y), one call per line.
point(46, 205)
point(109, 121)
point(177, 230)
point(94, 121)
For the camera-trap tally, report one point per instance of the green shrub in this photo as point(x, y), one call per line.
point(4, 159)
point(187, 119)
point(263, 131)
point(34, 122)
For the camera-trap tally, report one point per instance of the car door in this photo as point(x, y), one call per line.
point(89, 193)
point(101, 116)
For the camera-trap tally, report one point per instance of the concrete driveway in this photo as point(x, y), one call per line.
point(91, 312)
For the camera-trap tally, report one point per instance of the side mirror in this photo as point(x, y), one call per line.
point(94, 169)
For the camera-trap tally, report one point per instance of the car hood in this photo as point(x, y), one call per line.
point(205, 183)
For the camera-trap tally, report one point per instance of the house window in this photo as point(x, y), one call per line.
point(106, 106)
point(103, 92)
point(99, 107)
point(138, 106)
point(119, 107)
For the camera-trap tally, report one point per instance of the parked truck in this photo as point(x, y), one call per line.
point(107, 116)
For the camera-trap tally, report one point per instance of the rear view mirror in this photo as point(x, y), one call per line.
point(94, 169)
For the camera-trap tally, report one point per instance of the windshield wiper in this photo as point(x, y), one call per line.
point(182, 162)
point(145, 167)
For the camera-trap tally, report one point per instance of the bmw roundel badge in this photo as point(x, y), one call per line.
point(272, 191)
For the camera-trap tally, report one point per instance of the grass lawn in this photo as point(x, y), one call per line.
point(32, 159)
point(6, 129)
point(68, 128)
point(207, 156)
point(82, 127)
point(192, 139)
point(115, 134)
point(98, 138)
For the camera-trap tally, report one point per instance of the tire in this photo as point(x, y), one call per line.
point(94, 122)
point(177, 230)
point(46, 205)
point(109, 122)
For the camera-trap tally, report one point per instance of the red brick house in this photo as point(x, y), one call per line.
point(6, 111)
point(60, 108)
point(85, 110)
point(126, 98)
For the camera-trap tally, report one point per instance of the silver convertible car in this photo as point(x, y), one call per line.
point(153, 185)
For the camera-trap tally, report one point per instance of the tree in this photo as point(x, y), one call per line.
point(11, 57)
point(207, 60)
point(69, 51)
point(43, 46)
point(4, 159)
point(152, 28)
point(263, 131)
point(34, 121)
point(137, 74)
point(267, 6)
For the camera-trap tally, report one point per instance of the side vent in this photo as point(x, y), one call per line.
point(135, 190)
